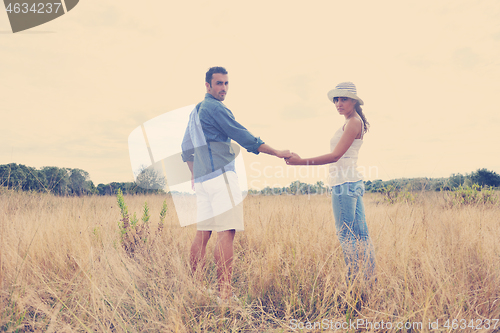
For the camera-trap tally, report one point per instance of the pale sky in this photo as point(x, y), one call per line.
point(72, 90)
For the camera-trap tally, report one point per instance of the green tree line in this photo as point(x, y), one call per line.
point(67, 181)
point(480, 177)
point(62, 181)
point(295, 188)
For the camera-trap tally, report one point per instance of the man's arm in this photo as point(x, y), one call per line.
point(240, 134)
point(187, 147)
point(188, 153)
point(267, 149)
point(190, 165)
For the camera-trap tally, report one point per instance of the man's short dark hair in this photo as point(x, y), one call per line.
point(212, 71)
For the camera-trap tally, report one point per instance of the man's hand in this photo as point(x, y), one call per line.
point(191, 168)
point(283, 153)
point(294, 159)
point(266, 149)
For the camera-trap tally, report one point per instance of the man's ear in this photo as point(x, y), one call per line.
point(207, 85)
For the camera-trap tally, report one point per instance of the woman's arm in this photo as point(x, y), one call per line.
point(351, 130)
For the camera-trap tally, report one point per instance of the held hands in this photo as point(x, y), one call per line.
point(294, 159)
point(283, 153)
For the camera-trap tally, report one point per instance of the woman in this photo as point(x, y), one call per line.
point(347, 184)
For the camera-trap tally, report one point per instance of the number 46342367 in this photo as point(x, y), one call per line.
point(477, 324)
point(36, 8)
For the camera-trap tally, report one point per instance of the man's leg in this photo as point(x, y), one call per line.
point(198, 249)
point(224, 259)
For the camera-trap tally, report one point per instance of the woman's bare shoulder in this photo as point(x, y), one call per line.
point(355, 120)
point(354, 125)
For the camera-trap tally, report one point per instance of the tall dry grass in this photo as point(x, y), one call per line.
point(63, 269)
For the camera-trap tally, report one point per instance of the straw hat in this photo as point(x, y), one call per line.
point(344, 89)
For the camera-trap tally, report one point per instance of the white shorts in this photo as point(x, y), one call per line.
point(219, 203)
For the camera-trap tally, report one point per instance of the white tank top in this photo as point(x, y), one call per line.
point(345, 169)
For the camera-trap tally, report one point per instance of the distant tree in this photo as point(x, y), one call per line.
point(368, 186)
point(57, 179)
point(101, 189)
point(114, 186)
point(91, 187)
point(266, 191)
point(303, 188)
point(376, 186)
point(437, 185)
point(31, 182)
point(150, 179)
point(484, 177)
point(468, 182)
point(454, 181)
point(420, 184)
point(294, 187)
point(12, 176)
point(78, 182)
point(320, 188)
point(307, 189)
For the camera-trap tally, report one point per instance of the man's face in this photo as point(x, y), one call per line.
point(220, 85)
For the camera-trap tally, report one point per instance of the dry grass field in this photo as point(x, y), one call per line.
point(63, 268)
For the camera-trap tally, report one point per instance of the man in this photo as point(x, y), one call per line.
point(207, 150)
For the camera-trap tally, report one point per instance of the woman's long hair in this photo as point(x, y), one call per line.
point(366, 124)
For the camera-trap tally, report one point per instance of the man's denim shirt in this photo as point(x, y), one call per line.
point(207, 140)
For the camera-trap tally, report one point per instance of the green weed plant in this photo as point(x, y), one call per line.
point(472, 195)
point(394, 194)
point(135, 234)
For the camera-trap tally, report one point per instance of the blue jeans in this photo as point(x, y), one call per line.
point(352, 231)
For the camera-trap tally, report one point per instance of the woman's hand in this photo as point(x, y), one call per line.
point(294, 159)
